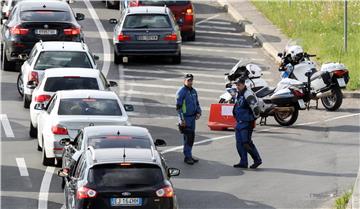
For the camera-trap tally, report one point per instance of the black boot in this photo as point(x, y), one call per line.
point(189, 161)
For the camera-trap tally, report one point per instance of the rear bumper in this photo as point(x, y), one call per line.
point(124, 49)
point(52, 147)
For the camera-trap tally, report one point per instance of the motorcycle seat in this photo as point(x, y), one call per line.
point(263, 92)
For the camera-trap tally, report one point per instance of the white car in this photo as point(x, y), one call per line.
point(69, 111)
point(52, 54)
point(57, 79)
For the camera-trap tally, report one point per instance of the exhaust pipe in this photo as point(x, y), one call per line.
point(324, 94)
point(282, 109)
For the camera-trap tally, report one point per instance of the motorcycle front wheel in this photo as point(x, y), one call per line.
point(287, 118)
point(333, 102)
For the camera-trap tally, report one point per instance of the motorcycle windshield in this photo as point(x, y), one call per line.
point(240, 69)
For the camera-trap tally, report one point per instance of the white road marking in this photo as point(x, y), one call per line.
point(6, 125)
point(220, 33)
point(172, 87)
point(104, 38)
point(173, 73)
point(174, 80)
point(149, 104)
point(44, 188)
point(207, 62)
point(22, 167)
point(218, 44)
point(264, 130)
point(207, 19)
point(158, 94)
point(221, 38)
point(189, 67)
point(212, 49)
point(219, 22)
point(217, 27)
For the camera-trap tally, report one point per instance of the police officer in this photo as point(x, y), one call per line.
point(245, 119)
point(188, 108)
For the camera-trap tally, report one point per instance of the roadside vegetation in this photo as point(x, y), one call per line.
point(319, 25)
point(343, 201)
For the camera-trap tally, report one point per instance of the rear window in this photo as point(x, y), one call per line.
point(147, 21)
point(119, 142)
point(108, 107)
point(162, 3)
point(115, 175)
point(70, 83)
point(56, 59)
point(45, 15)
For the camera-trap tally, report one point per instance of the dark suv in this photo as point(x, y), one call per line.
point(32, 21)
point(119, 178)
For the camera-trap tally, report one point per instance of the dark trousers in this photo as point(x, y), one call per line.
point(189, 136)
point(245, 145)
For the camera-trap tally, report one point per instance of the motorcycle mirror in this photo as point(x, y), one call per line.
point(280, 54)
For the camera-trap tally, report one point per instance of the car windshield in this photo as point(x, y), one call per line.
point(89, 106)
point(48, 15)
point(162, 2)
point(147, 21)
point(54, 84)
point(116, 175)
point(57, 59)
point(119, 142)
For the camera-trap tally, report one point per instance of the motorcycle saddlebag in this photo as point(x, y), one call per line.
point(283, 97)
point(320, 80)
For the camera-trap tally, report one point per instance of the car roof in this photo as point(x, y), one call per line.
point(116, 155)
point(96, 94)
point(113, 130)
point(82, 72)
point(62, 46)
point(39, 5)
point(148, 10)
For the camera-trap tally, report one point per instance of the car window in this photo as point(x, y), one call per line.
point(32, 55)
point(78, 140)
point(115, 175)
point(119, 141)
point(80, 167)
point(51, 105)
point(147, 21)
point(103, 80)
point(13, 14)
point(89, 106)
point(57, 59)
point(54, 84)
point(48, 15)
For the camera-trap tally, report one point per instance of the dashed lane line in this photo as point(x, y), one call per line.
point(207, 19)
point(22, 166)
point(6, 125)
point(44, 188)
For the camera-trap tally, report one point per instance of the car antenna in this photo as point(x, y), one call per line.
point(124, 155)
point(341, 51)
point(118, 133)
point(44, 6)
point(63, 46)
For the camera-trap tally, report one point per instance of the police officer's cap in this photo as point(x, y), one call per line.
point(188, 77)
point(240, 80)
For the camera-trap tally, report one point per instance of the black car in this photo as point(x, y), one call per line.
point(119, 178)
point(32, 21)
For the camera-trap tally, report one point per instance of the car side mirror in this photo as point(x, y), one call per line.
point(173, 172)
point(65, 141)
point(31, 85)
point(64, 172)
point(112, 84)
point(113, 21)
point(160, 142)
point(129, 108)
point(23, 57)
point(280, 54)
point(39, 106)
point(80, 16)
point(96, 57)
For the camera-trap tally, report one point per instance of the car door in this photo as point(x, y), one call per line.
point(71, 149)
point(44, 118)
point(72, 182)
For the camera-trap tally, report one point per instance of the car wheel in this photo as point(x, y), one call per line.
point(32, 131)
point(176, 59)
point(38, 147)
point(27, 101)
point(45, 160)
point(20, 85)
point(192, 37)
point(6, 64)
point(117, 59)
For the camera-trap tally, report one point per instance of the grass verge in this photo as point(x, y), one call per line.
point(342, 201)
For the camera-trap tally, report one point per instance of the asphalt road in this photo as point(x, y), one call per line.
point(305, 166)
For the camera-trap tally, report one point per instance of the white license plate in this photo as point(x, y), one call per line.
point(341, 82)
point(126, 201)
point(147, 38)
point(301, 104)
point(45, 32)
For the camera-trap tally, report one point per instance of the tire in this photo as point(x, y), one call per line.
point(45, 160)
point(191, 37)
point(20, 85)
point(292, 118)
point(176, 59)
point(27, 101)
point(38, 147)
point(32, 131)
point(333, 102)
point(118, 59)
point(6, 65)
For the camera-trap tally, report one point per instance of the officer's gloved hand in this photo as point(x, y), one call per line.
point(198, 116)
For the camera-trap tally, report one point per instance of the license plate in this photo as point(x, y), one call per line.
point(45, 32)
point(126, 201)
point(301, 104)
point(341, 82)
point(147, 38)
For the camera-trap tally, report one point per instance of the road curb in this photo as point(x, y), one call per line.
point(354, 202)
point(268, 47)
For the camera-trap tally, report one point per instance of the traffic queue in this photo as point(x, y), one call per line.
point(81, 125)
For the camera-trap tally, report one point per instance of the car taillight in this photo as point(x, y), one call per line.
point(134, 3)
point(72, 31)
point(33, 76)
point(122, 37)
point(42, 98)
point(340, 73)
point(18, 30)
point(59, 130)
point(189, 15)
point(298, 94)
point(167, 191)
point(85, 193)
point(171, 37)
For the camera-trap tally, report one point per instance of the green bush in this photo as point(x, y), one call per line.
point(342, 201)
point(320, 26)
